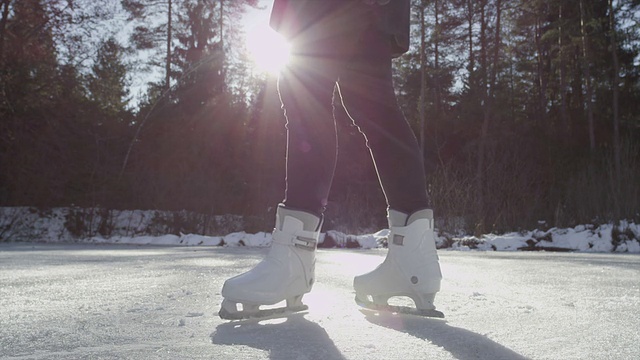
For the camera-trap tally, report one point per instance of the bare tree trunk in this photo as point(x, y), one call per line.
point(542, 81)
point(221, 30)
point(483, 131)
point(470, 34)
point(423, 77)
point(496, 50)
point(586, 57)
point(564, 112)
point(488, 103)
point(483, 42)
point(616, 93)
point(167, 80)
point(3, 27)
point(436, 64)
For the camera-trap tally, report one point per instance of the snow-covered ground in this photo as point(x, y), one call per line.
point(88, 301)
point(153, 228)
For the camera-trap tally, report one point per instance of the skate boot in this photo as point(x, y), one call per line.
point(410, 269)
point(287, 272)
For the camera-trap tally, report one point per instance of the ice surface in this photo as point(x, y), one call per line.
point(106, 301)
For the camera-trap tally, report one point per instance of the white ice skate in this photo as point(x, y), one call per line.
point(287, 272)
point(410, 269)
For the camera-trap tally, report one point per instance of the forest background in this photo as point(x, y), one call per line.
point(528, 112)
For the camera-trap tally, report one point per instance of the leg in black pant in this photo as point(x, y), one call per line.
point(306, 91)
point(367, 93)
point(366, 89)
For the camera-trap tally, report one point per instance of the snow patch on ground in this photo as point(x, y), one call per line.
point(260, 239)
point(341, 240)
point(137, 227)
point(584, 238)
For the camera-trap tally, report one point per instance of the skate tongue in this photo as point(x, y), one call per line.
point(420, 214)
point(310, 222)
point(398, 218)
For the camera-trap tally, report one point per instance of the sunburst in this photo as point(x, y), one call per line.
point(269, 51)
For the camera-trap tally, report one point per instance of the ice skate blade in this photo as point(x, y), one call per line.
point(432, 313)
point(265, 314)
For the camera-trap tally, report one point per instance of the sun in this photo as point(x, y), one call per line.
point(268, 49)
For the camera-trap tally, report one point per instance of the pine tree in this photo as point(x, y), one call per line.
point(107, 83)
point(153, 32)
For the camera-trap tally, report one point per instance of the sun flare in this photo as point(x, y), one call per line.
point(268, 49)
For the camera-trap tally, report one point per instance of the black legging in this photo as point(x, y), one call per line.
point(359, 63)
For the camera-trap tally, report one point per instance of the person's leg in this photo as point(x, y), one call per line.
point(411, 267)
point(306, 91)
point(367, 92)
point(288, 271)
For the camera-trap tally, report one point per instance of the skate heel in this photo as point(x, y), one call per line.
point(295, 304)
point(373, 299)
point(379, 299)
point(229, 310)
point(227, 307)
point(295, 301)
point(424, 301)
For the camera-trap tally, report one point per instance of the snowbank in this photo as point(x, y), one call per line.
point(138, 227)
point(623, 237)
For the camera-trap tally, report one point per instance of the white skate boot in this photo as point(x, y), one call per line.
point(410, 269)
point(287, 272)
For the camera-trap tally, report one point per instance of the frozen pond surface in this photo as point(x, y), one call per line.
point(127, 302)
